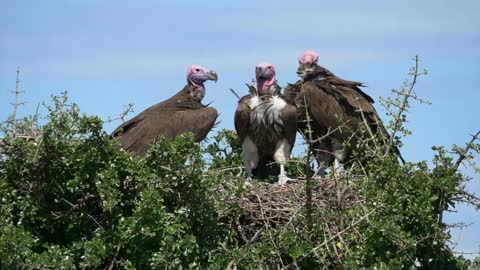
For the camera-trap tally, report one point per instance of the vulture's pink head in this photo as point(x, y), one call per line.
point(265, 76)
point(308, 57)
point(308, 61)
point(197, 75)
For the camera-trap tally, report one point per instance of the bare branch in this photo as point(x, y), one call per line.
point(114, 260)
point(405, 94)
point(16, 103)
point(34, 122)
point(463, 154)
point(127, 109)
point(308, 176)
point(470, 199)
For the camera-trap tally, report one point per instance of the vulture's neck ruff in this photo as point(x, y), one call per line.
point(196, 92)
point(197, 84)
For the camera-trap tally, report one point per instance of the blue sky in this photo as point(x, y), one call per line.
point(111, 53)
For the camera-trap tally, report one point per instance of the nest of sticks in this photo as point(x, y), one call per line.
point(271, 207)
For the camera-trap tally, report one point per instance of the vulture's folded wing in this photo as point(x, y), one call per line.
point(137, 134)
point(289, 119)
point(324, 105)
point(362, 105)
point(242, 119)
point(198, 121)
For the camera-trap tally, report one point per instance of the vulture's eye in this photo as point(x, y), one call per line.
point(197, 70)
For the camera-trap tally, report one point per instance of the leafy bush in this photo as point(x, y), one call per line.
point(72, 198)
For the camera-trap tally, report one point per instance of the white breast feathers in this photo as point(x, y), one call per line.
point(266, 110)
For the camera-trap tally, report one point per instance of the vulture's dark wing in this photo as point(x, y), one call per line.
point(331, 95)
point(323, 106)
point(137, 134)
point(359, 101)
point(292, 90)
point(354, 86)
point(351, 91)
point(242, 118)
point(350, 102)
point(289, 119)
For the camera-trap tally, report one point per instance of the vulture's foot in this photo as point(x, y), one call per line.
point(247, 183)
point(283, 179)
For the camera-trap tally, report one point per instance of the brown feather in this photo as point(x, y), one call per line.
point(335, 105)
point(179, 114)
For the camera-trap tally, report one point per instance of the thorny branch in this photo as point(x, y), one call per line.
point(77, 207)
point(308, 184)
point(127, 109)
point(402, 103)
point(464, 196)
point(16, 104)
point(463, 153)
point(15, 127)
point(114, 260)
point(470, 199)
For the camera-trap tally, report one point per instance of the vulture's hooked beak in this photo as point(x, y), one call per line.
point(212, 75)
point(259, 72)
point(300, 73)
point(304, 72)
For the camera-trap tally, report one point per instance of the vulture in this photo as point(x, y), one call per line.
point(337, 109)
point(183, 112)
point(266, 124)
